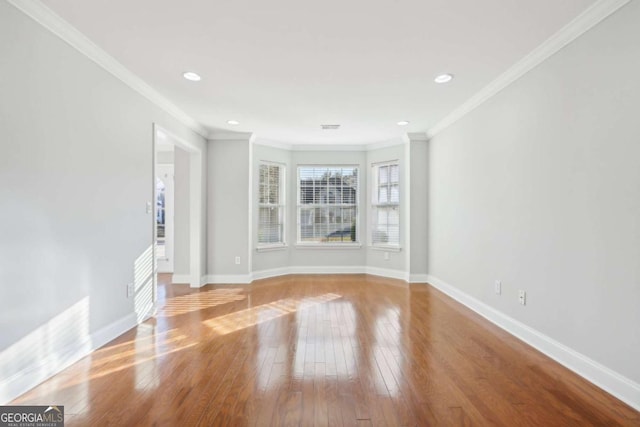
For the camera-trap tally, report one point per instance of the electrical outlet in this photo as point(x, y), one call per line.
point(386, 255)
point(497, 287)
point(148, 207)
point(522, 297)
point(237, 260)
point(129, 290)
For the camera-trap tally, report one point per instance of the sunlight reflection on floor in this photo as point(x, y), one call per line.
point(263, 313)
point(110, 360)
point(200, 301)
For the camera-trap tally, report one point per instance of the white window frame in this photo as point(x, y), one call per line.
point(374, 205)
point(328, 245)
point(282, 205)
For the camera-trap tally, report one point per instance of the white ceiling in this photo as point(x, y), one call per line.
point(283, 67)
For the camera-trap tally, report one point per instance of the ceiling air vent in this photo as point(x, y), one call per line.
point(330, 127)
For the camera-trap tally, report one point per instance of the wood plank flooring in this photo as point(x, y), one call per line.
point(329, 350)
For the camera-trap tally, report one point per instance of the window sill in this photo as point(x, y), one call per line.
point(386, 248)
point(269, 248)
point(330, 246)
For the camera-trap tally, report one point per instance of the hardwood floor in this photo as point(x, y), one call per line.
point(322, 350)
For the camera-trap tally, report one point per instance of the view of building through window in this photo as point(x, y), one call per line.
point(327, 204)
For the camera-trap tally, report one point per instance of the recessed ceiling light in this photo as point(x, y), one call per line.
point(233, 122)
point(443, 78)
point(190, 75)
point(403, 123)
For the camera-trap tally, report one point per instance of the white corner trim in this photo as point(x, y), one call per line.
point(203, 281)
point(26, 379)
point(574, 29)
point(61, 28)
point(621, 387)
point(418, 278)
point(228, 279)
point(181, 278)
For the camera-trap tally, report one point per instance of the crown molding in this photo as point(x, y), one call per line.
point(336, 147)
point(384, 144)
point(418, 137)
point(44, 16)
point(273, 144)
point(230, 136)
point(329, 147)
point(574, 29)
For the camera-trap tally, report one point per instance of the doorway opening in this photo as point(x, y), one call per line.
point(164, 217)
point(178, 210)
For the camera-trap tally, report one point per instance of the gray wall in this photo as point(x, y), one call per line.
point(204, 217)
point(540, 187)
point(75, 176)
point(228, 207)
point(181, 219)
point(419, 222)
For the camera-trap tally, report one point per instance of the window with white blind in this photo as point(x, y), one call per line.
point(327, 205)
point(385, 204)
point(271, 210)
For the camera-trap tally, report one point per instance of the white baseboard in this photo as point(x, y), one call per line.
point(282, 271)
point(181, 278)
point(418, 278)
point(114, 330)
point(385, 272)
point(228, 279)
point(327, 269)
point(28, 378)
point(621, 387)
point(272, 272)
